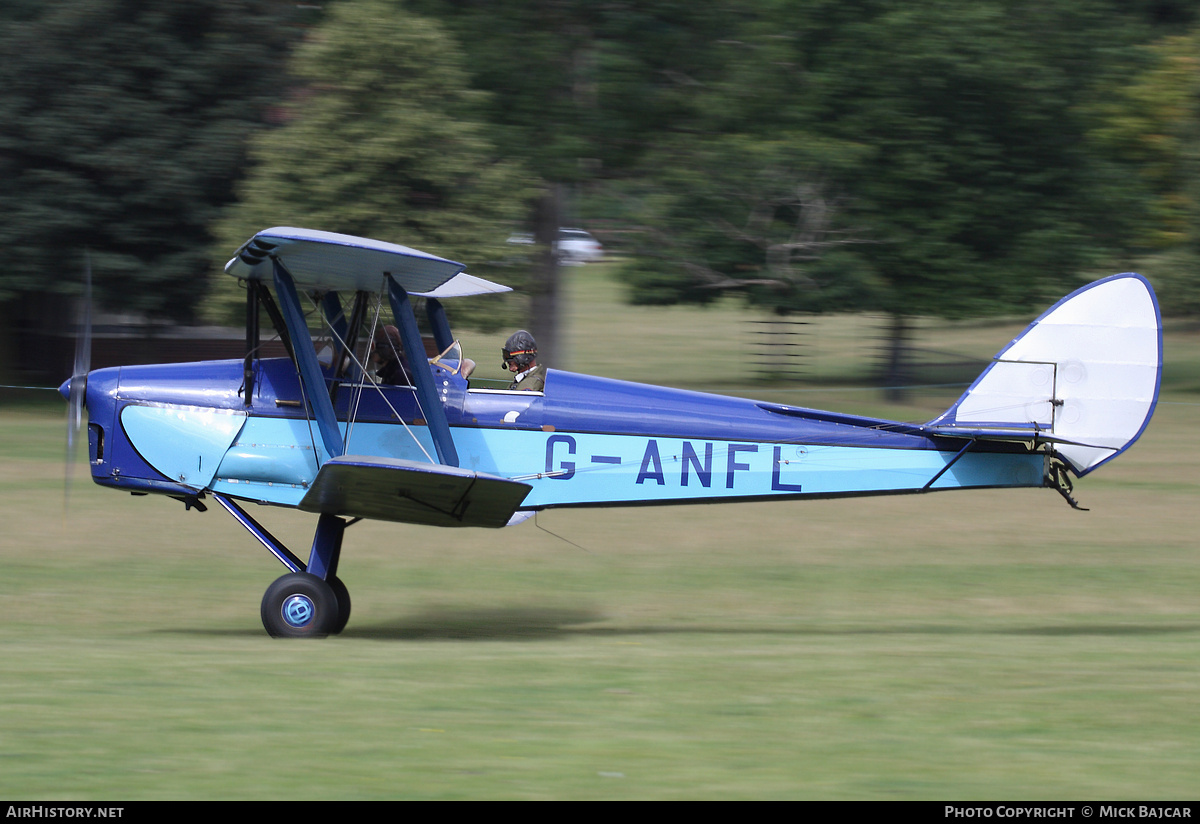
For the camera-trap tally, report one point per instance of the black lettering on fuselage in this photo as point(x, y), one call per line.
point(651, 458)
point(733, 464)
point(565, 470)
point(703, 473)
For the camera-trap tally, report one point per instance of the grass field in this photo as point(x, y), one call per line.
point(971, 645)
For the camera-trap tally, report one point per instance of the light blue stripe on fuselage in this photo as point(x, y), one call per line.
point(584, 468)
point(569, 468)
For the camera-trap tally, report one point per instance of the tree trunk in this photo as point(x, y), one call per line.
point(546, 282)
point(895, 367)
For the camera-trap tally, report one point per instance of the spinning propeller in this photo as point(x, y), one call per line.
point(76, 387)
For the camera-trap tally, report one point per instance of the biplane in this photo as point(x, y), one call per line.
point(314, 428)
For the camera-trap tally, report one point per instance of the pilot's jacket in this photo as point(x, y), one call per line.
point(533, 380)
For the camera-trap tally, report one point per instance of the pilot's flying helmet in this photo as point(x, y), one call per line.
point(520, 348)
point(388, 341)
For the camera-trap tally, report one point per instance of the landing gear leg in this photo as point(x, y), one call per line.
point(323, 561)
point(310, 601)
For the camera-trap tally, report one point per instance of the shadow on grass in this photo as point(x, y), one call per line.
point(484, 624)
point(507, 624)
point(543, 624)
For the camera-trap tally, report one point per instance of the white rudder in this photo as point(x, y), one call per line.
point(1084, 375)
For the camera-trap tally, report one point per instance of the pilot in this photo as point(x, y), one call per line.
point(520, 357)
point(389, 357)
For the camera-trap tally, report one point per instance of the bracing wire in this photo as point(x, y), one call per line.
point(363, 382)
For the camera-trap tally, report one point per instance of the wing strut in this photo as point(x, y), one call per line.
point(427, 394)
point(252, 287)
point(437, 321)
point(311, 376)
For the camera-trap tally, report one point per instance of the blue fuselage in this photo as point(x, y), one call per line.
point(185, 429)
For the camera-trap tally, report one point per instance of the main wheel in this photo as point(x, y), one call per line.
point(300, 605)
point(343, 602)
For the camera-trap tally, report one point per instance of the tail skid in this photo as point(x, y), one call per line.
point(1084, 376)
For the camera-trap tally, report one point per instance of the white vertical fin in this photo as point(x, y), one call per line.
point(1087, 371)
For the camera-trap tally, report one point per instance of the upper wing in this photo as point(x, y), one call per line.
point(463, 285)
point(327, 261)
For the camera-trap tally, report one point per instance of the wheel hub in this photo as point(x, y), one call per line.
point(298, 610)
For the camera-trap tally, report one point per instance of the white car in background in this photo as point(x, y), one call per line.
point(574, 246)
point(577, 246)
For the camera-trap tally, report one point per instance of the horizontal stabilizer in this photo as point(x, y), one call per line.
point(390, 489)
point(1084, 376)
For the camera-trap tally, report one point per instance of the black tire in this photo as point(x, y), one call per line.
point(343, 603)
point(300, 605)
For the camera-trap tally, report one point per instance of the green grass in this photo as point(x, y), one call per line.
point(972, 645)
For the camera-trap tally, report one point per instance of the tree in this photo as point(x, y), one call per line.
point(577, 90)
point(953, 137)
point(122, 127)
point(756, 215)
point(384, 139)
point(1151, 124)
